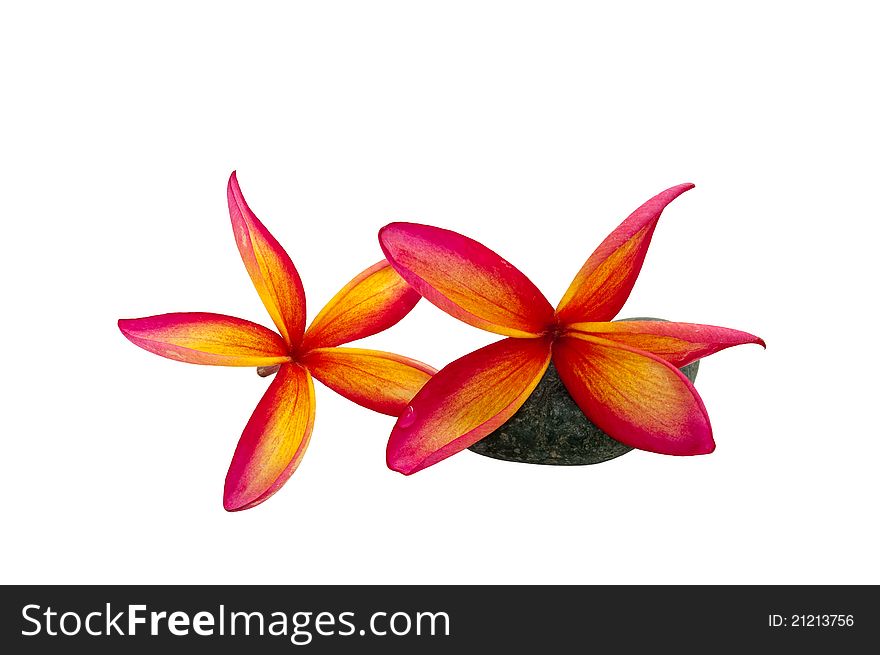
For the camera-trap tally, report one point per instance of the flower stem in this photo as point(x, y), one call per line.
point(266, 371)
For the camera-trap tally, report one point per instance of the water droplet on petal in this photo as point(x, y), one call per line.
point(407, 418)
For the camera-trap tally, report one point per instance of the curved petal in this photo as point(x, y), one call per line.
point(273, 441)
point(466, 401)
point(634, 396)
point(677, 343)
point(466, 279)
point(203, 338)
point(372, 302)
point(605, 281)
point(383, 382)
point(271, 270)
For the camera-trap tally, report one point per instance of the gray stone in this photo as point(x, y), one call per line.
point(551, 429)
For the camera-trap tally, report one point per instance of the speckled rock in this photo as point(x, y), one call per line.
point(551, 429)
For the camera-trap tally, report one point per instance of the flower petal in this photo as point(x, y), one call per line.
point(466, 279)
point(383, 382)
point(605, 281)
point(203, 338)
point(269, 266)
point(634, 396)
point(677, 343)
point(466, 401)
point(274, 440)
point(372, 302)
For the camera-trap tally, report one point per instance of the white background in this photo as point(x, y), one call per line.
point(534, 127)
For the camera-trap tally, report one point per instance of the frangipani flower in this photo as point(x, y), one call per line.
point(277, 434)
point(623, 375)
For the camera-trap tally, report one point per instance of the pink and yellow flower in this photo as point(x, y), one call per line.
point(623, 375)
point(277, 434)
